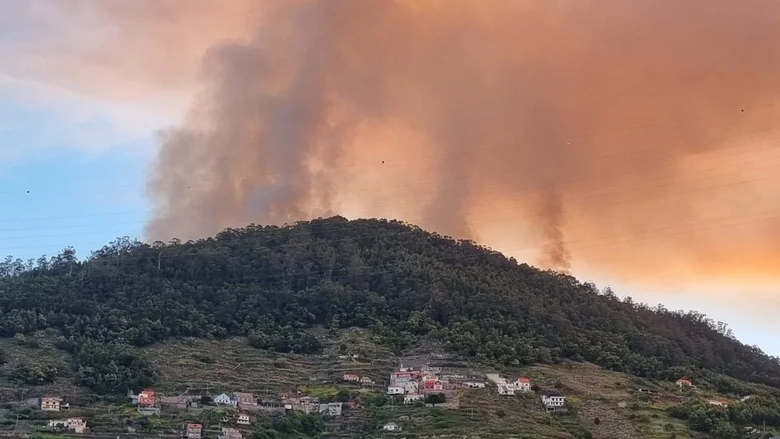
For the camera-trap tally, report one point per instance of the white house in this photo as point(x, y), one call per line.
point(58, 423)
point(49, 404)
point(411, 398)
point(351, 377)
point(225, 399)
point(411, 387)
point(474, 384)
point(506, 389)
point(366, 380)
point(400, 378)
point(553, 402)
point(77, 425)
point(523, 384)
point(391, 426)
point(395, 390)
point(243, 419)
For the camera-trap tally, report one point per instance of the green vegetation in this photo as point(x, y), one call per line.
point(296, 426)
point(728, 422)
point(404, 284)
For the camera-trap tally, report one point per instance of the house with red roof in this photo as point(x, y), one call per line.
point(146, 398)
point(432, 385)
point(523, 384)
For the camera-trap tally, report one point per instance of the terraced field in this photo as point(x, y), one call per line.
point(198, 366)
point(233, 365)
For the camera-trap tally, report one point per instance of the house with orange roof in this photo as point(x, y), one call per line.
point(146, 398)
point(523, 384)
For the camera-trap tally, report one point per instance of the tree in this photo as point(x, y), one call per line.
point(436, 398)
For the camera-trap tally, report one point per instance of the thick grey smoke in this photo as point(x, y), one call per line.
point(618, 115)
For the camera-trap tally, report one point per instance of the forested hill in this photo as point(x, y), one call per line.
point(271, 283)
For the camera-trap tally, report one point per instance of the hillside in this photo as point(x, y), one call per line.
point(292, 289)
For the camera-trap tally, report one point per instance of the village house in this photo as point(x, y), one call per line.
point(193, 431)
point(366, 380)
point(523, 384)
point(225, 400)
point(304, 404)
point(474, 384)
point(432, 385)
point(391, 426)
point(244, 399)
point(230, 433)
point(684, 382)
point(351, 377)
point(331, 409)
point(77, 425)
point(58, 423)
point(411, 398)
point(243, 419)
point(506, 389)
point(394, 390)
point(50, 404)
point(146, 398)
point(553, 401)
point(411, 387)
point(400, 378)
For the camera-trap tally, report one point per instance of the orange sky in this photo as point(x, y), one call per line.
point(630, 140)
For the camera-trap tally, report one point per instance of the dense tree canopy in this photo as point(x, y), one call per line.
point(271, 283)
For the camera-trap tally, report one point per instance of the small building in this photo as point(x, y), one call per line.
point(243, 419)
point(400, 378)
point(684, 382)
point(77, 425)
point(553, 401)
point(335, 408)
point(58, 423)
point(411, 398)
point(394, 390)
point(230, 433)
point(366, 380)
point(523, 384)
point(225, 400)
point(506, 389)
point(193, 431)
point(148, 410)
point(244, 399)
point(411, 387)
point(433, 385)
point(146, 398)
point(50, 404)
point(331, 409)
point(474, 384)
point(351, 377)
point(391, 426)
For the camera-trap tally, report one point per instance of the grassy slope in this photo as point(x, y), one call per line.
point(482, 413)
point(232, 365)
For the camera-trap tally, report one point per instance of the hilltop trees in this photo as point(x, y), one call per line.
point(274, 283)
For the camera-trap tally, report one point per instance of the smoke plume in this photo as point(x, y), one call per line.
point(635, 137)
